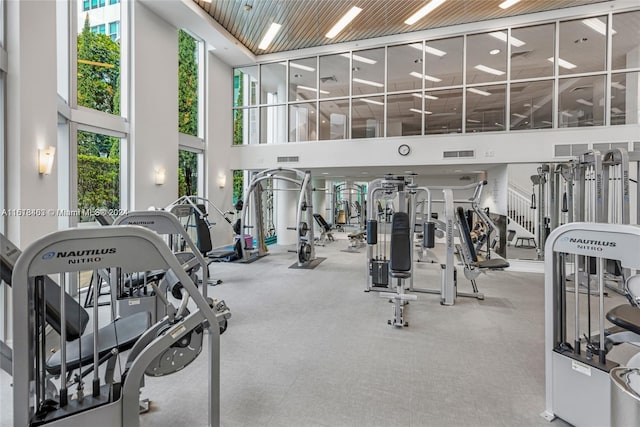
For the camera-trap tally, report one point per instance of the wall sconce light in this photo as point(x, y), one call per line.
point(161, 175)
point(45, 160)
point(222, 180)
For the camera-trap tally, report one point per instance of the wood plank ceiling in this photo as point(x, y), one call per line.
point(305, 22)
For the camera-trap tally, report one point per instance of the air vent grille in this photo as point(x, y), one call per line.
point(288, 159)
point(458, 154)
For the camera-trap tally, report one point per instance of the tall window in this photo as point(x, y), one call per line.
point(189, 90)
point(96, 146)
point(98, 174)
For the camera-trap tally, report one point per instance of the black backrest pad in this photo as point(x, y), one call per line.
point(76, 317)
point(322, 222)
point(465, 234)
point(202, 229)
point(400, 252)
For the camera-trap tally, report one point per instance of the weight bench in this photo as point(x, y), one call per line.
point(357, 240)
point(326, 234)
point(465, 236)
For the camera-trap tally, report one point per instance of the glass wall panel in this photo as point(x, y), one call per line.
point(626, 41)
point(487, 57)
point(403, 117)
point(531, 105)
point(334, 119)
point(302, 122)
point(188, 70)
point(303, 76)
point(625, 99)
point(403, 63)
point(188, 177)
point(245, 126)
point(98, 174)
point(245, 86)
point(583, 45)
point(367, 117)
point(368, 71)
point(581, 101)
point(334, 75)
point(443, 111)
point(443, 62)
point(98, 78)
point(531, 48)
point(273, 83)
point(485, 108)
point(273, 124)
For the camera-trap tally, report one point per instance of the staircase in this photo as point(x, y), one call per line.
point(522, 219)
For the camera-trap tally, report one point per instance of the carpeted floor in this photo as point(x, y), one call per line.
point(311, 348)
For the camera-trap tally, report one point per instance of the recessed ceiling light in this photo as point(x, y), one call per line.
point(269, 36)
point(564, 64)
point(359, 58)
point(424, 11)
point(520, 116)
point(311, 89)
point(479, 92)
point(425, 76)
point(417, 95)
point(368, 82)
point(300, 66)
point(473, 121)
point(371, 101)
point(617, 85)
point(507, 4)
point(584, 102)
point(598, 26)
point(325, 173)
point(343, 22)
point(415, 110)
point(502, 36)
point(494, 51)
point(428, 49)
point(566, 114)
point(489, 70)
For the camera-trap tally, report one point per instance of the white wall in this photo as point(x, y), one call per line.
point(494, 148)
point(31, 116)
point(494, 194)
point(219, 135)
point(154, 109)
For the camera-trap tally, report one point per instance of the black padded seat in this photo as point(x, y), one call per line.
point(121, 334)
point(400, 274)
point(493, 263)
point(625, 316)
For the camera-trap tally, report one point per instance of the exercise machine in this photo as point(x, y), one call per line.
point(577, 367)
point(400, 266)
point(177, 338)
point(252, 202)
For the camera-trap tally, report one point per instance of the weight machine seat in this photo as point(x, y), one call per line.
point(625, 316)
point(120, 334)
point(358, 236)
point(493, 263)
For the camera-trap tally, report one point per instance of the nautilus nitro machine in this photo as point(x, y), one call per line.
point(164, 348)
point(577, 364)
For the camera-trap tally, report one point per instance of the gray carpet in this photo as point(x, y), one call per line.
point(310, 348)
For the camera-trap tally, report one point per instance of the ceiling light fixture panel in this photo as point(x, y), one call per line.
point(488, 70)
point(598, 26)
point(367, 82)
point(343, 22)
point(564, 64)
point(502, 36)
point(358, 58)
point(269, 36)
point(424, 76)
point(479, 92)
point(428, 49)
point(507, 4)
point(423, 11)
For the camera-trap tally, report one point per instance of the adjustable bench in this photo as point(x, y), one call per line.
point(325, 229)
